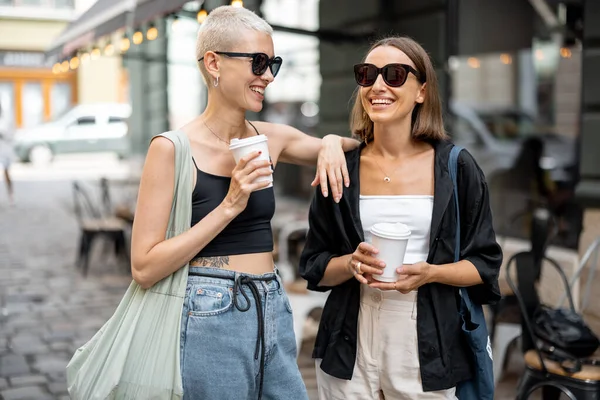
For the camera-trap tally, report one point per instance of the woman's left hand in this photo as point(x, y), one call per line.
point(412, 276)
point(331, 167)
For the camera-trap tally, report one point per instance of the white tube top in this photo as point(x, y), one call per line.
point(413, 211)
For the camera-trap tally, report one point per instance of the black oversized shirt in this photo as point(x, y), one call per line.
point(335, 230)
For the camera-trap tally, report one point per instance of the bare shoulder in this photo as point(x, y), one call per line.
point(161, 149)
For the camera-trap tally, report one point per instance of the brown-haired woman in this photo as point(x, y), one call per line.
point(402, 339)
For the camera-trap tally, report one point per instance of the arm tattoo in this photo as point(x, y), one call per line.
point(212, 262)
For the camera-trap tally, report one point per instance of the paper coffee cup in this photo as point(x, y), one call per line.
point(391, 240)
point(242, 147)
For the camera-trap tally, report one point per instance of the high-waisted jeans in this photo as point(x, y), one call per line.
point(237, 338)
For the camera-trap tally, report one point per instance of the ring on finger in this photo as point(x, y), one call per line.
point(358, 265)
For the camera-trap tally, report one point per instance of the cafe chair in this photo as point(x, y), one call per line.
point(541, 371)
point(93, 224)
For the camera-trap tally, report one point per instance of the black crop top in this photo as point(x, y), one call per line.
point(250, 232)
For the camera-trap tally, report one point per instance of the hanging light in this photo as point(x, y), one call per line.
point(125, 44)
point(85, 57)
point(152, 33)
point(201, 16)
point(237, 3)
point(505, 59)
point(64, 66)
point(565, 52)
point(138, 37)
point(74, 63)
point(175, 23)
point(473, 62)
point(56, 68)
point(95, 54)
point(109, 49)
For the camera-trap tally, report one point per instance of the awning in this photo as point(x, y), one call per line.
point(106, 17)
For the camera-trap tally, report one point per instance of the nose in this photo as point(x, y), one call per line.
point(267, 76)
point(379, 84)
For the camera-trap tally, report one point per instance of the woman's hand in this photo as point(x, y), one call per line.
point(243, 181)
point(363, 264)
point(331, 165)
point(412, 277)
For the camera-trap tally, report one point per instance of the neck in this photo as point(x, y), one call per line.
point(393, 140)
point(227, 122)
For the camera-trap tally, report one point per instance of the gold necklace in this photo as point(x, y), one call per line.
point(213, 132)
point(386, 177)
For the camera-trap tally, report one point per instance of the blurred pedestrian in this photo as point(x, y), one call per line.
point(237, 336)
point(402, 339)
point(6, 154)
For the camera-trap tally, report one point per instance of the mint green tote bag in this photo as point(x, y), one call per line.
point(135, 355)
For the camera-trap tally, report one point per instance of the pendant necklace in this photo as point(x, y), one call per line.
point(386, 177)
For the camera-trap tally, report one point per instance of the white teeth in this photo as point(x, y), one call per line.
point(258, 90)
point(381, 101)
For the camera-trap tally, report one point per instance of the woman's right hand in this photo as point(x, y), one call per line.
point(243, 182)
point(363, 264)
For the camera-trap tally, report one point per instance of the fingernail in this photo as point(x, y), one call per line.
point(259, 152)
point(325, 194)
point(382, 264)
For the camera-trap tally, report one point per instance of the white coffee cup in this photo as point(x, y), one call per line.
point(391, 240)
point(242, 147)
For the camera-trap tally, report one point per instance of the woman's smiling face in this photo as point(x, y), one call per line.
point(387, 104)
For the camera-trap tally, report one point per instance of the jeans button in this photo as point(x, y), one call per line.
point(376, 298)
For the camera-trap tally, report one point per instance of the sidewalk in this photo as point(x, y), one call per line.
point(46, 309)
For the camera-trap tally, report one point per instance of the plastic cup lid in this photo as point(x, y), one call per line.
point(391, 230)
point(237, 143)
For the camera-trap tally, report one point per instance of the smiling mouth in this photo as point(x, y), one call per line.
point(258, 90)
point(381, 102)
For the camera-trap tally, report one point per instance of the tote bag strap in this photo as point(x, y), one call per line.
point(452, 168)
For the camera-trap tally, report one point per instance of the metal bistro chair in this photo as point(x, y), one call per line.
point(93, 224)
point(540, 370)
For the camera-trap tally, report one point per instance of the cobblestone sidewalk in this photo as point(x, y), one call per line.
point(47, 310)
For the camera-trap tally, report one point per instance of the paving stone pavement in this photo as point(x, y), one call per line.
point(47, 310)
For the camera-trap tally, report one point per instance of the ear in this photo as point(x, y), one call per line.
point(211, 63)
point(421, 96)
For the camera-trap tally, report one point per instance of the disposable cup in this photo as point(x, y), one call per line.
point(391, 240)
point(241, 147)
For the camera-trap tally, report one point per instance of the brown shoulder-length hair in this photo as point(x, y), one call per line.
point(427, 123)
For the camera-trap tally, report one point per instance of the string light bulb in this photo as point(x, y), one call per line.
point(56, 68)
point(565, 52)
point(473, 62)
point(202, 14)
point(74, 63)
point(152, 33)
point(85, 57)
point(237, 3)
point(109, 49)
point(95, 54)
point(506, 59)
point(125, 44)
point(138, 37)
point(175, 23)
point(64, 66)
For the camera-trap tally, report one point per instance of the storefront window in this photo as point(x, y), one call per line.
point(7, 107)
point(33, 105)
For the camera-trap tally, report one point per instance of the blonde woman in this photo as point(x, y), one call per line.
point(237, 335)
point(399, 340)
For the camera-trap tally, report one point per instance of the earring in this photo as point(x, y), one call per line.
point(216, 82)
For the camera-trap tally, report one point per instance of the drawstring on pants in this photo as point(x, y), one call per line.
point(238, 286)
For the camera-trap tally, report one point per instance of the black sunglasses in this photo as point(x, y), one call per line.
point(260, 62)
point(394, 75)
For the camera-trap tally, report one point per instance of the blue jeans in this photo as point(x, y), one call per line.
point(228, 345)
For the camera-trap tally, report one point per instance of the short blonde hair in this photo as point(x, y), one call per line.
point(427, 122)
point(222, 28)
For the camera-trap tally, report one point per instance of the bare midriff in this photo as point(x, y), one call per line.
point(256, 263)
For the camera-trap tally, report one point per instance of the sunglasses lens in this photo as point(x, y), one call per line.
point(394, 75)
point(365, 74)
point(260, 64)
point(276, 65)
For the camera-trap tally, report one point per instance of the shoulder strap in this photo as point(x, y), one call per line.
point(181, 209)
point(452, 168)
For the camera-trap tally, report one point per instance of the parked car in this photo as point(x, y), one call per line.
point(85, 128)
point(495, 136)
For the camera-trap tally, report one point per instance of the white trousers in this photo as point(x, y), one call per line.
point(387, 360)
